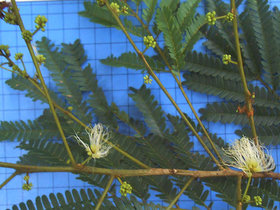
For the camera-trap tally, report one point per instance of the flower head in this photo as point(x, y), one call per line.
point(125, 189)
point(211, 18)
point(98, 136)
point(248, 157)
point(147, 79)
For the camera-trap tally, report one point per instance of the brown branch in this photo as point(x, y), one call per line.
point(136, 172)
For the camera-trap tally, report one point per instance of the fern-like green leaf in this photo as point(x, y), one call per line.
point(168, 24)
point(266, 134)
point(229, 90)
point(210, 66)
point(153, 115)
point(98, 14)
point(226, 113)
point(132, 61)
point(186, 12)
point(64, 67)
point(150, 10)
point(261, 22)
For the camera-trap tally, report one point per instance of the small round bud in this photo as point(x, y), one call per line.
point(115, 7)
point(18, 56)
point(211, 18)
point(41, 22)
point(100, 3)
point(41, 59)
point(147, 79)
point(226, 59)
point(246, 199)
point(229, 17)
point(258, 200)
point(124, 10)
point(149, 41)
point(27, 35)
point(125, 188)
point(15, 68)
point(70, 108)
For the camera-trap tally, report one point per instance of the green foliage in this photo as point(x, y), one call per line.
point(152, 112)
point(132, 61)
point(149, 11)
point(83, 199)
point(167, 23)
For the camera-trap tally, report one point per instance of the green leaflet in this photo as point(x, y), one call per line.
point(102, 16)
point(20, 83)
point(83, 200)
point(153, 114)
point(266, 134)
point(65, 69)
point(210, 66)
point(168, 24)
point(97, 99)
point(186, 12)
point(98, 14)
point(132, 61)
point(261, 22)
point(227, 113)
point(229, 90)
point(150, 10)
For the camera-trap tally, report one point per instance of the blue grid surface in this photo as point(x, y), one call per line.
point(65, 25)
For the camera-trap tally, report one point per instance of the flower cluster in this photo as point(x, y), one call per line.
point(125, 188)
point(18, 56)
point(41, 59)
point(41, 22)
point(28, 185)
point(211, 18)
point(248, 157)
point(5, 49)
point(226, 59)
point(98, 136)
point(100, 3)
point(149, 41)
point(147, 79)
point(115, 7)
point(27, 35)
point(124, 10)
point(229, 17)
point(10, 18)
point(258, 200)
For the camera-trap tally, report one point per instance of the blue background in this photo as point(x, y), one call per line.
point(65, 25)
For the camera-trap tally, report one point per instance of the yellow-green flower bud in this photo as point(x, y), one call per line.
point(115, 7)
point(229, 17)
point(258, 200)
point(27, 35)
point(124, 10)
point(15, 68)
point(26, 178)
point(100, 3)
point(226, 59)
point(41, 59)
point(10, 18)
point(125, 188)
point(41, 22)
point(246, 199)
point(27, 187)
point(18, 56)
point(211, 18)
point(149, 41)
point(147, 79)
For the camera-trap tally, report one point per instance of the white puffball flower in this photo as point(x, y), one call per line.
point(98, 136)
point(245, 155)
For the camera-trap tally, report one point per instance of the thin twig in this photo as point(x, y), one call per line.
point(105, 192)
point(35, 62)
point(180, 193)
point(9, 179)
point(238, 193)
